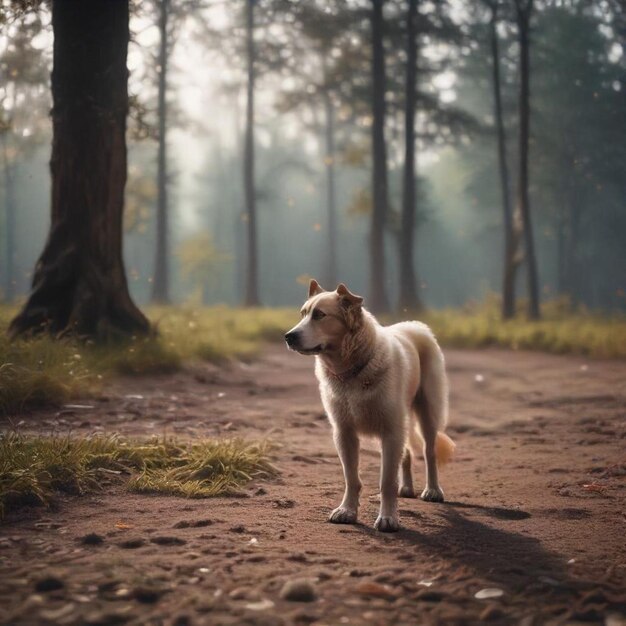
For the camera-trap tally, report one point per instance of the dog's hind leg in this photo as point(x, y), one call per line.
point(347, 444)
point(432, 492)
point(406, 479)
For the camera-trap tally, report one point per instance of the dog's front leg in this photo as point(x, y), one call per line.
point(392, 449)
point(347, 443)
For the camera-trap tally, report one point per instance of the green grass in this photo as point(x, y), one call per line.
point(559, 331)
point(46, 372)
point(35, 470)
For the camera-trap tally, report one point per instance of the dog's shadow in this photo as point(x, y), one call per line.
point(446, 532)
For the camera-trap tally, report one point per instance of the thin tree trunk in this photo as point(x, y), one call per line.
point(330, 275)
point(409, 298)
point(524, 11)
point(79, 283)
point(511, 228)
point(378, 296)
point(9, 243)
point(252, 286)
point(160, 284)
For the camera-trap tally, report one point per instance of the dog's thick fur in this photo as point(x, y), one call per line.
point(387, 382)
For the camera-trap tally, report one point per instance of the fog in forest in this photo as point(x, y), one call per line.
point(308, 66)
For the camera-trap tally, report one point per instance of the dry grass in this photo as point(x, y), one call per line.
point(46, 372)
point(560, 331)
point(34, 470)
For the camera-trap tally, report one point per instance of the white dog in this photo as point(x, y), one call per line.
point(387, 382)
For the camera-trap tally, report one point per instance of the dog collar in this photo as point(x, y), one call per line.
point(353, 372)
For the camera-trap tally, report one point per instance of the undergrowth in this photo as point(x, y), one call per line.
point(44, 371)
point(560, 331)
point(34, 470)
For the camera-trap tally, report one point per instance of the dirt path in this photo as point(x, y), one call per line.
point(535, 509)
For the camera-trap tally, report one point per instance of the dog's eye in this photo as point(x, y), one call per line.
point(318, 315)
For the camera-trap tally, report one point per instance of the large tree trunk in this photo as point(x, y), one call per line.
point(79, 284)
point(378, 296)
point(511, 224)
point(9, 212)
point(409, 298)
point(252, 282)
point(524, 11)
point(160, 281)
point(330, 275)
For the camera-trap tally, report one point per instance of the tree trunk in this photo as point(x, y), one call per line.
point(79, 283)
point(511, 228)
point(9, 206)
point(330, 275)
point(378, 296)
point(160, 281)
point(252, 283)
point(524, 10)
point(409, 298)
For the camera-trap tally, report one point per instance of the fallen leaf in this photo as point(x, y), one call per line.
point(375, 590)
point(123, 525)
point(594, 487)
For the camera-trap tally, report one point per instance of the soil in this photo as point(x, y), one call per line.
point(532, 531)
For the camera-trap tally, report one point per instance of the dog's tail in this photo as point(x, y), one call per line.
point(431, 402)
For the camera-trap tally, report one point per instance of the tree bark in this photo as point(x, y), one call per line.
point(524, 11)
point(511, 224)
point(409, 297)
point(330, 275)
point(9, 243)
point(378, 296)
point(252, 284)
point(79, 283)
point(160, 280)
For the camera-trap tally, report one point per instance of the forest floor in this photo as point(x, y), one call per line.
point(535, 509)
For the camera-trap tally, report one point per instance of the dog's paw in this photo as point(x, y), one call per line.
point(432, 494)
point(387, 524)
point(407, 492)
point(341, 515)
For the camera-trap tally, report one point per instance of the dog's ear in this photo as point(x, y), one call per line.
point(314, 288)
point(347, 297)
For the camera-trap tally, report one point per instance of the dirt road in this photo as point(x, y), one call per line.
point(535, 509)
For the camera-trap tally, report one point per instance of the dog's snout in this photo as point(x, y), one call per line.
point(291, 338)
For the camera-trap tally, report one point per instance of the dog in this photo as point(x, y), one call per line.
point(388, 382)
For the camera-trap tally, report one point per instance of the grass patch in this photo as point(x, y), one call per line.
point(560, 331)
point(34, 470)
point(43, 371)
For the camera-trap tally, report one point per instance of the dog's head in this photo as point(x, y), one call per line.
point(327, 317)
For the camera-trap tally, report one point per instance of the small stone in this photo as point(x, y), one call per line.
point(168, 540)
point(92, 539)
point(488, 592)
point(238, 529)
point(298, 590)
point(243, 593)
point(147, 595)
point(262, 605)
point(375, 590)
point(283, 503)
point(49, 583)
